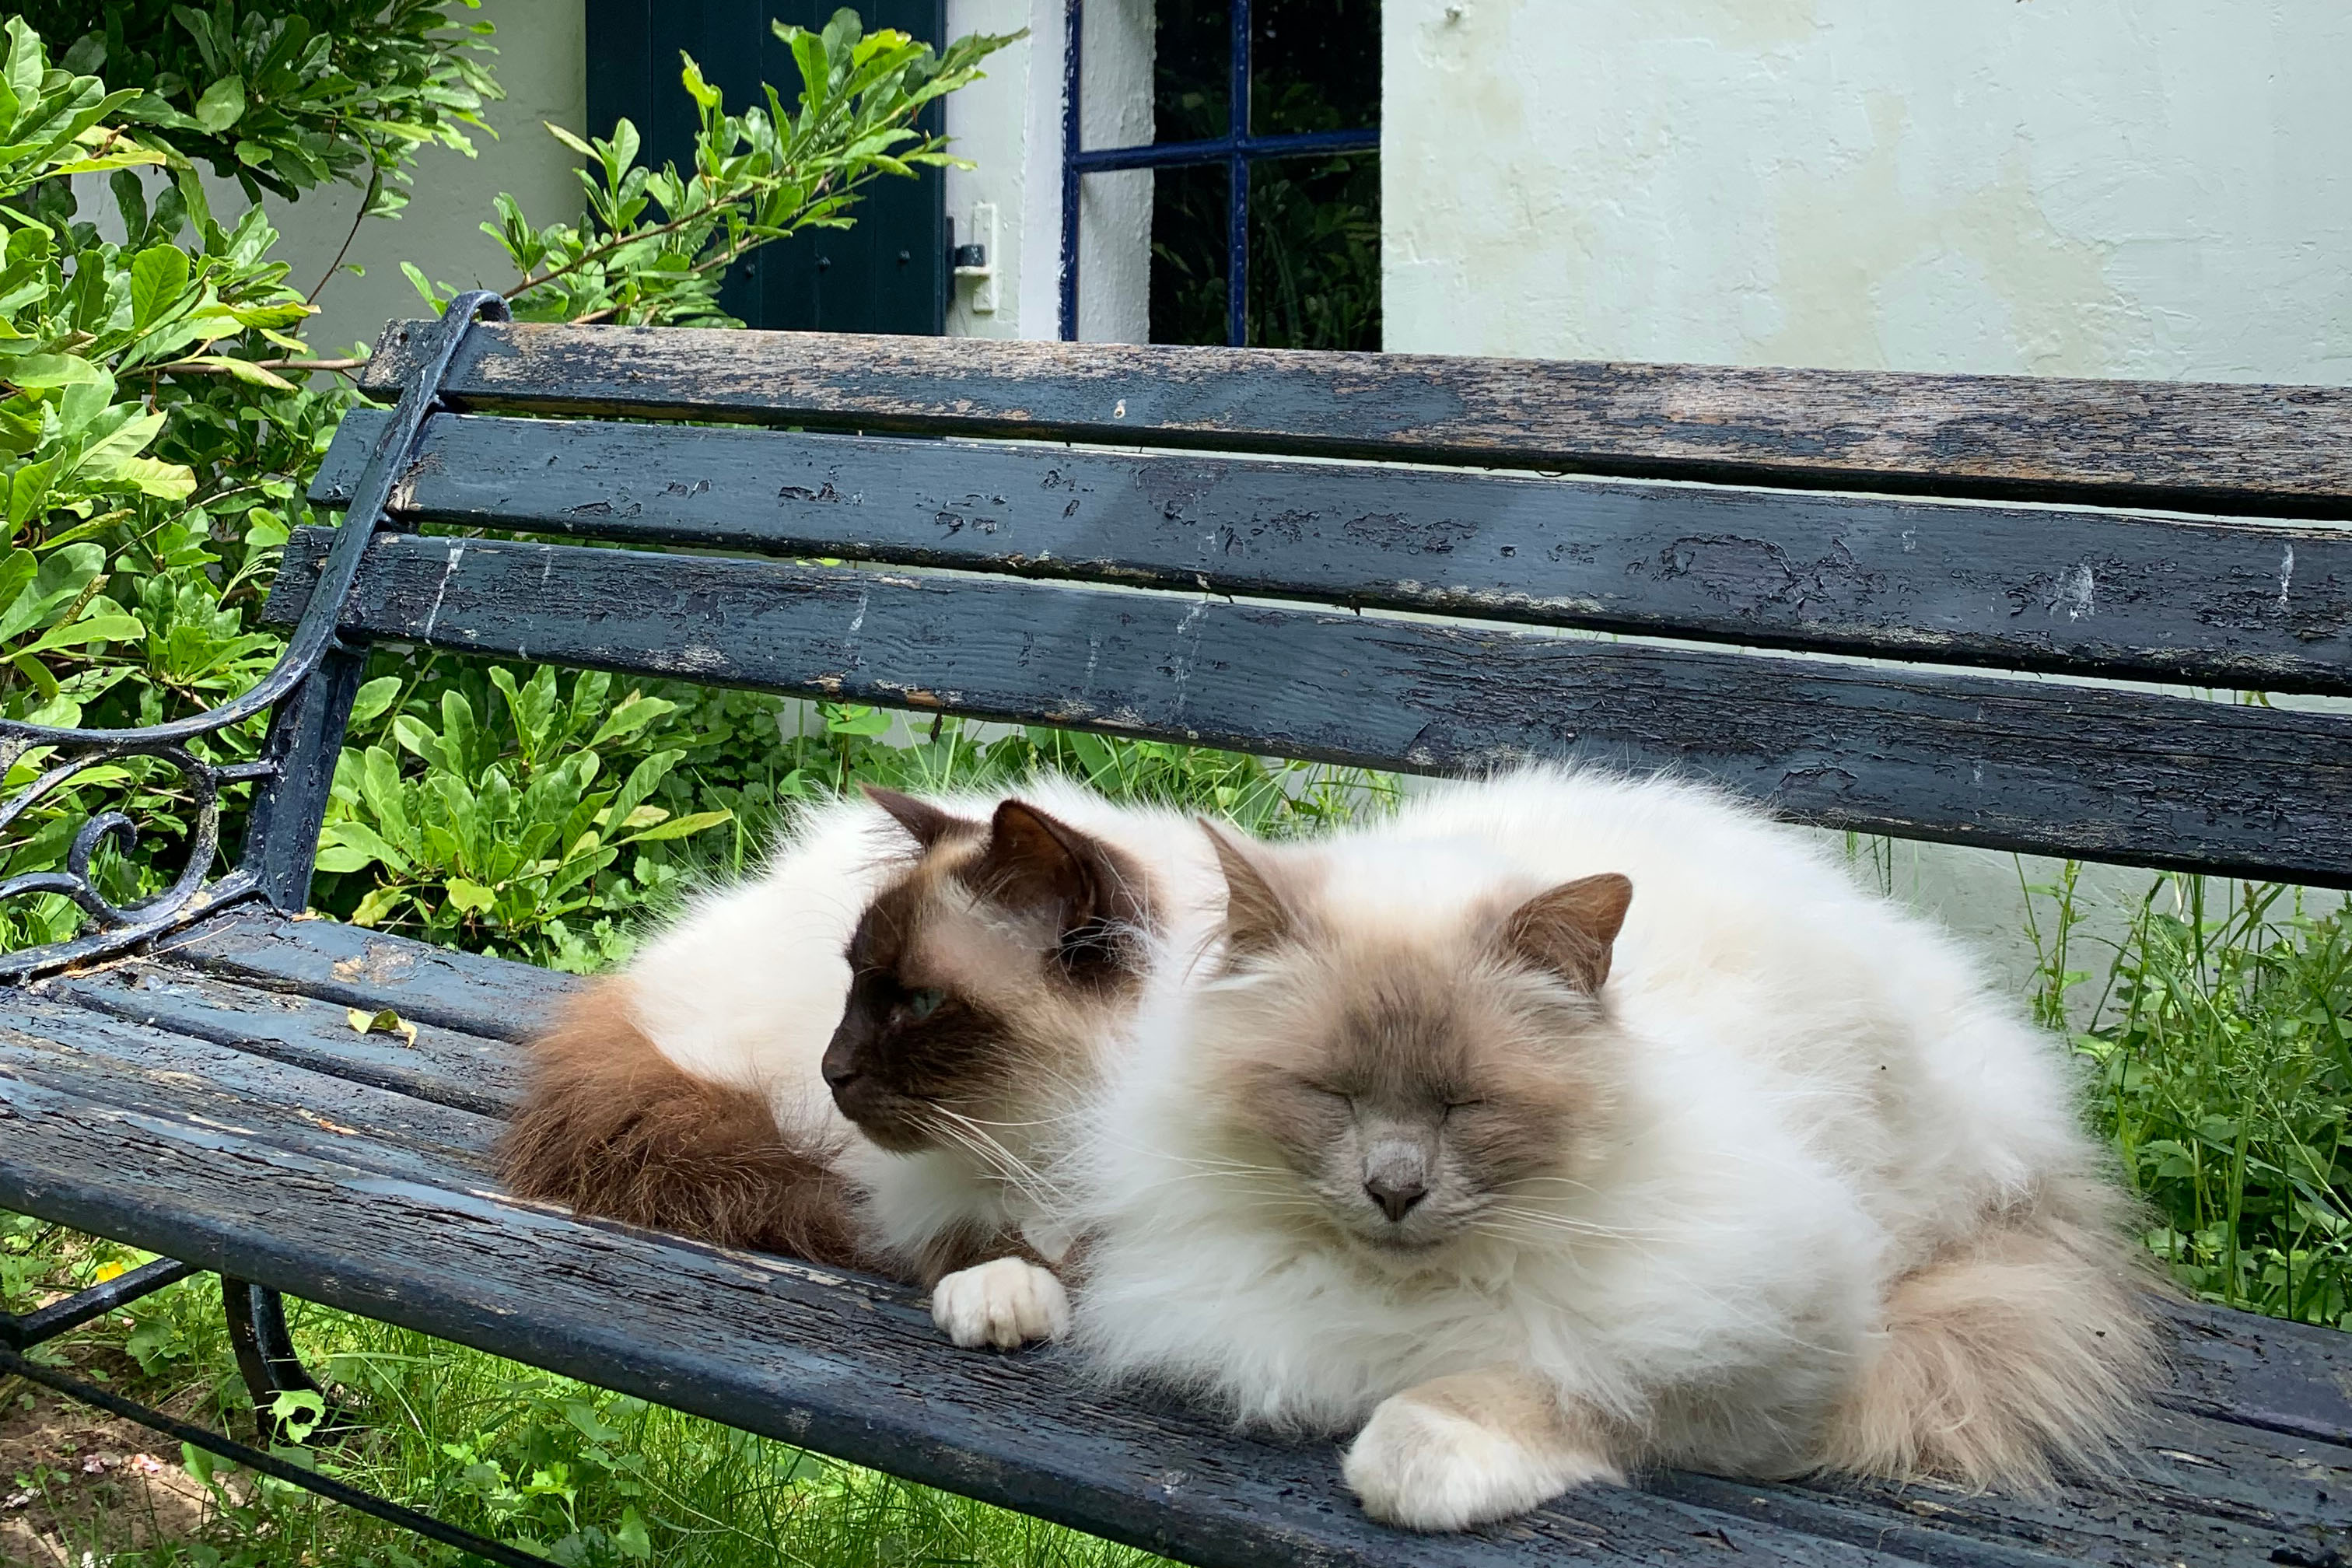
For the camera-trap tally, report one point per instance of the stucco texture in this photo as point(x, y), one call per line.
point(2101, 187)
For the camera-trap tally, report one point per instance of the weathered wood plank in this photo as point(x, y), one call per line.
point(2263, 606)
point(137, 1067)
point(842, 1366)
point(492, 998)
point(443, 1066)
point(2184, 1490)
point(2100, 773)
point(2191, 444)
point(2287, 1377)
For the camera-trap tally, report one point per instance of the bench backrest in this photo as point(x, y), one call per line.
point(1938, 606)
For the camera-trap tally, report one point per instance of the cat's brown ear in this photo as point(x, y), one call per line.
point(1257, 918)
point(926, 823)
point(1034, 862)
point(1570, 929)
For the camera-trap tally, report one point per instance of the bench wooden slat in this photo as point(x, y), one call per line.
point(2287, 1377)
point(2202, 445)
point(240, 1094)
point(2263, 606)
point(846, 1367)
point(494, 998)
point(2108, 774)
point(443, 1066)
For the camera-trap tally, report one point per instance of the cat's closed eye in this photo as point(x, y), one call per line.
point(920, 1005)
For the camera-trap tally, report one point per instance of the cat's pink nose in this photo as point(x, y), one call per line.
point(1396, 1195)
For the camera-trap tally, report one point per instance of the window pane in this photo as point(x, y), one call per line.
point(1315, 254)
point(1193, 67)
point(1315, 65)
point(1187, 254)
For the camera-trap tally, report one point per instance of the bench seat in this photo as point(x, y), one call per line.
point(210, 1101)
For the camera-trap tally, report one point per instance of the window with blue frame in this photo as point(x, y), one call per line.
point(1266, 174)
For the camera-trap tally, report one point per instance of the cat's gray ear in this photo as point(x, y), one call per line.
point(1256, 917)
point(926, 823)
point(1571, 930)
point(1037, 862)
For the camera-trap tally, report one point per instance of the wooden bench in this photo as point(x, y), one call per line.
point(1308, 554)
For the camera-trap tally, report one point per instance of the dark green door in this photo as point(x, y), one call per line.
point(886, 273)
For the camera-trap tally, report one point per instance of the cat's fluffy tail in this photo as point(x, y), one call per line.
point(611, 1126)
point(2026, 1349)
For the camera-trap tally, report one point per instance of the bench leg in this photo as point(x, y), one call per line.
point(264, 1354)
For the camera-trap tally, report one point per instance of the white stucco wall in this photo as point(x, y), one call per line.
point(2100, 187)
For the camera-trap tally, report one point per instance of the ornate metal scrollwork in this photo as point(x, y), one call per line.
point(119, 926)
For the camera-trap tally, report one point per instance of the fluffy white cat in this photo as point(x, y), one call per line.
point(1569, 1124)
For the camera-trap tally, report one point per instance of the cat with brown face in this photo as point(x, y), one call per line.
point(987, 978)
point(862, 1055)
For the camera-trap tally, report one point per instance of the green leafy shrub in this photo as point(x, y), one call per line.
point(154, 448)
point(289, 95)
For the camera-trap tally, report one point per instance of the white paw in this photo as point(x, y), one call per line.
point(1426, 1468)
point(1006, 1302)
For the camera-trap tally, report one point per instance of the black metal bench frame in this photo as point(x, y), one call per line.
point(1847, 515)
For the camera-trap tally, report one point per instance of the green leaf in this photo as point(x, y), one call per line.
point(378, 906)
point(631, 1539)
point(413, 735)
point(298, 1411)
point(470, 897)
point(16, 569)
point(222, 106)
point(354, 845)
point(681, 827)
point(633, 713)
point(569, 139)
point(157, 274)
point(91, 629)
point(422, 284)
point(371, 699)
point(36, 371)
point(383, 1021)
point(700, 91)
point(244, 369)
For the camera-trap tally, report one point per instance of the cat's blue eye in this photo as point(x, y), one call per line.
point(921, 1004)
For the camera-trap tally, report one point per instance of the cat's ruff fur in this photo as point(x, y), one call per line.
point(1841, 1212)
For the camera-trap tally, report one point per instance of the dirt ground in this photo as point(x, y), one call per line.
point(73, 1479)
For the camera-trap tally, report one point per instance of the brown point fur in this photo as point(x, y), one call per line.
point(609, 1126)
point(2023, 1351)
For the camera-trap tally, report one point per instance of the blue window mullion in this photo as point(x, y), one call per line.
point(1075, 32)
point(1216, 150)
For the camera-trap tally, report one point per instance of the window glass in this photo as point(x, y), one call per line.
point(1315, 65)
point(1314, 255)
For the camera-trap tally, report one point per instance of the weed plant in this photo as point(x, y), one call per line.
point(2217, 1027)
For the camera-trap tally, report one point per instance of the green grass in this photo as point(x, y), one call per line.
point(2220, 1025)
